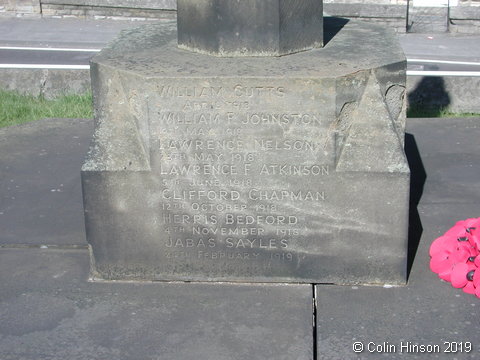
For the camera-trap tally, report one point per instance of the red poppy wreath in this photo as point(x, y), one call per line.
point(455, 256)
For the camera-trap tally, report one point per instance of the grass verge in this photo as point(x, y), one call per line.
point(434, 113)
point(17, 109)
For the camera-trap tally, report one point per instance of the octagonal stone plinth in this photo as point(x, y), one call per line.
point(275, 169)
point(249, 27)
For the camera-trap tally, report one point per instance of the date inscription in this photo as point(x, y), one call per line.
point(239, 170)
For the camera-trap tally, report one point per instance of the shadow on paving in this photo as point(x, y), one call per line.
point(429, 98)
point(418, 177)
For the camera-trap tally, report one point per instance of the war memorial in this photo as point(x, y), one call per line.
point(247, 145)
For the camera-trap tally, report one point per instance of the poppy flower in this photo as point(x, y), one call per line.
point(476, 283)
point(455, 256)
point(460, 274)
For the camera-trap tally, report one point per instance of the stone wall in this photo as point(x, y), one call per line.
point(20, 8)
point(401, 15)
point(109, 9)
point(465, 19)
point(379, 11)
point(469, 2)
point(45, 82)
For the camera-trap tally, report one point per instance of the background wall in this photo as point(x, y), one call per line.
point(403, 15)
point(21, 7)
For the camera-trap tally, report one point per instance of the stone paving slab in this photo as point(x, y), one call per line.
point(40, 190)
point(50, 311)
point(427, 311)
point(449, 150)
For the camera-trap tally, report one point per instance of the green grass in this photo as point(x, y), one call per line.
point(18, 109)
point(440, 113)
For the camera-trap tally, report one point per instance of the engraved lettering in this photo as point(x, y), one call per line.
point(260, 219)
point(218, 207)
point(200, 145)
point(231, 255)
point(189, 219)
point(194, 131)
point(208, 157)
point(205, 182)
point(188, 118)
point(281, 119)
point(280, 195)
point(191, 105)
point(227, 231)
point(298, 145)
point(199, 169)
point(189, 243)
point(170, 194)
point(255, 243)
point(173, 91)
point(295, 170)
point(254, 91)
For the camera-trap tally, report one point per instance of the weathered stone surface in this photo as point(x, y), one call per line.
point(45, 82)
point(390, 15)
point(143, 4)
point(21, 7)
point(250, 27)
point(427, 19)
point(249, 169)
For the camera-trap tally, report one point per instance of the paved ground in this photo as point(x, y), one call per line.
point(60, 32)
point(48, 309)
point(443, 46)
point(95, 34)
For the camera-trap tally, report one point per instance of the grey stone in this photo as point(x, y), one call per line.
point(389, 15)
point(427, 19)
point(22, 7)
point(45, 82)
point(143, 4)
point(250, 27)
point(249, 169)
point(464, 13)
point(363, 10)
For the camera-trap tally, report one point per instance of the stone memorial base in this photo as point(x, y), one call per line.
point(276, 169)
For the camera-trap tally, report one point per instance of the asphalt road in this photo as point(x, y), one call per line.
point(21, 56)
point(429, 65)
point(60, 33)
point(73, 42)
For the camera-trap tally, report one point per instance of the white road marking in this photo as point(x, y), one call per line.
point(443, 73)
point(444, 62)
point(44, 66)
point(47, 49)
point(87, 67)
